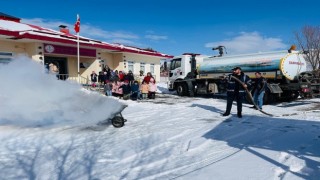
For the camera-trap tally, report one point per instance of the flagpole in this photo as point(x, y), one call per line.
point(78, 54)
point(77, 29)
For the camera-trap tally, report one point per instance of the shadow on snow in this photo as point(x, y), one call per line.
point(298, 138)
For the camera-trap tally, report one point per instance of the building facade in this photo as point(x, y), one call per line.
point(48, 46)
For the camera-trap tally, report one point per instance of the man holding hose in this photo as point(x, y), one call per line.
point(236, 91)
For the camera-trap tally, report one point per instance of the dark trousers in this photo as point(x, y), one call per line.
point(151, 95)
point(126, 96)
point(134, 96)
point(239, 97)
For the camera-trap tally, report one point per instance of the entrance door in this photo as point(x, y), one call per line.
point(61, 66)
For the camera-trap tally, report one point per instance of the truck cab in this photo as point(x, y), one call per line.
point(180, 66)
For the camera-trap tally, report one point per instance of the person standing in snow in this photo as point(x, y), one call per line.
point(152, 89)
point(108, 70)
point(148, 77)
point(129, 77)
point(126, 90)
point(135, 91)
point(108, 88)
point(144, 90)
point(236, 91)
point(259, 88)
point(121, 75)
point(104, 77)
point(101, 78)
point(119, 90)
point(115, 88)
point(114, 75)
point(94, 77)
point(54, 69)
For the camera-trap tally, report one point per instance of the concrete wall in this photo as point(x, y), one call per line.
point(148, 60)
point(35, 51)
point(84, 72)
point(118, 62)
point(31, 50)
point(13, 47)
point(108, 59)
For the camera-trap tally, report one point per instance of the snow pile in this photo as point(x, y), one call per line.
point(14, 26)
point(30, 97)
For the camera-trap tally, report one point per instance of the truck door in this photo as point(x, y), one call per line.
point(175, 69)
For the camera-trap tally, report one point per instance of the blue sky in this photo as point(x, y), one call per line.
point(175, 27)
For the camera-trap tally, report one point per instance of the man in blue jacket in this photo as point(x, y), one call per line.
point(235, 90)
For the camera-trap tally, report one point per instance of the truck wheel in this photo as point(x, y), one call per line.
point(295, 95)
point(181, 89)
point(269, 98)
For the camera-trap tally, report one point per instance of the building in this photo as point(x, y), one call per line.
point(60, 48)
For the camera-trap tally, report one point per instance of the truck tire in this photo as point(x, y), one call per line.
point(289, 95)
point(269, 98)
point(181, 89)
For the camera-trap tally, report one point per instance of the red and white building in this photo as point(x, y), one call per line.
point(60, 47)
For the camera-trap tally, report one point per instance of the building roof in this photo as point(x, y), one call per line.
point(14, 30)
point(9, 17)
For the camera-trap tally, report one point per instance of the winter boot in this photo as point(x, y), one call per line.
point(225, 114)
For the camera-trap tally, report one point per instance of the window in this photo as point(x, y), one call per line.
point(142, 68)
point(152, 68)
point(5, 57)
point(131, 66)
point(175, 63)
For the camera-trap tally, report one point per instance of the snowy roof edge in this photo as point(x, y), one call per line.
point(45, 34)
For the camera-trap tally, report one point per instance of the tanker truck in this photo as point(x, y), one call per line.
point(193, 74)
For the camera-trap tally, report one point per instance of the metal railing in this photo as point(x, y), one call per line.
point(84, 81)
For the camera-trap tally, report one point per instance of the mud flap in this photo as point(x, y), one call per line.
point(190, 88)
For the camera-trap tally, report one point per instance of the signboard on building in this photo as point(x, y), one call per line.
point(66, 50)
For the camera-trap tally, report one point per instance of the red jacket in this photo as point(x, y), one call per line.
point(147, 79)
point(121, 76)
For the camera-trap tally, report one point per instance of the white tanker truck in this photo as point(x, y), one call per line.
point(192, 74)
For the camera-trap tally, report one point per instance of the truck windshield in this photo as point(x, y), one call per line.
point(175, 63)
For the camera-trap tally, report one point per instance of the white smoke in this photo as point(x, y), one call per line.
point(31, 97)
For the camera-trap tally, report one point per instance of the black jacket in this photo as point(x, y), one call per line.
point(234, 87)
point(129, 77)
point(260, 85)
point(126, 89)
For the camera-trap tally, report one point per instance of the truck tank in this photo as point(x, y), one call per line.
point(289, 65)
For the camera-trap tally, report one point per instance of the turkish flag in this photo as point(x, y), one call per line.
point(77, 24)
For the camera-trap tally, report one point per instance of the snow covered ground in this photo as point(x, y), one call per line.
point(170, 137)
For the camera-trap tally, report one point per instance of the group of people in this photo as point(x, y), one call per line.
point(108, 74)
point(236, 90)
point(124, 85)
